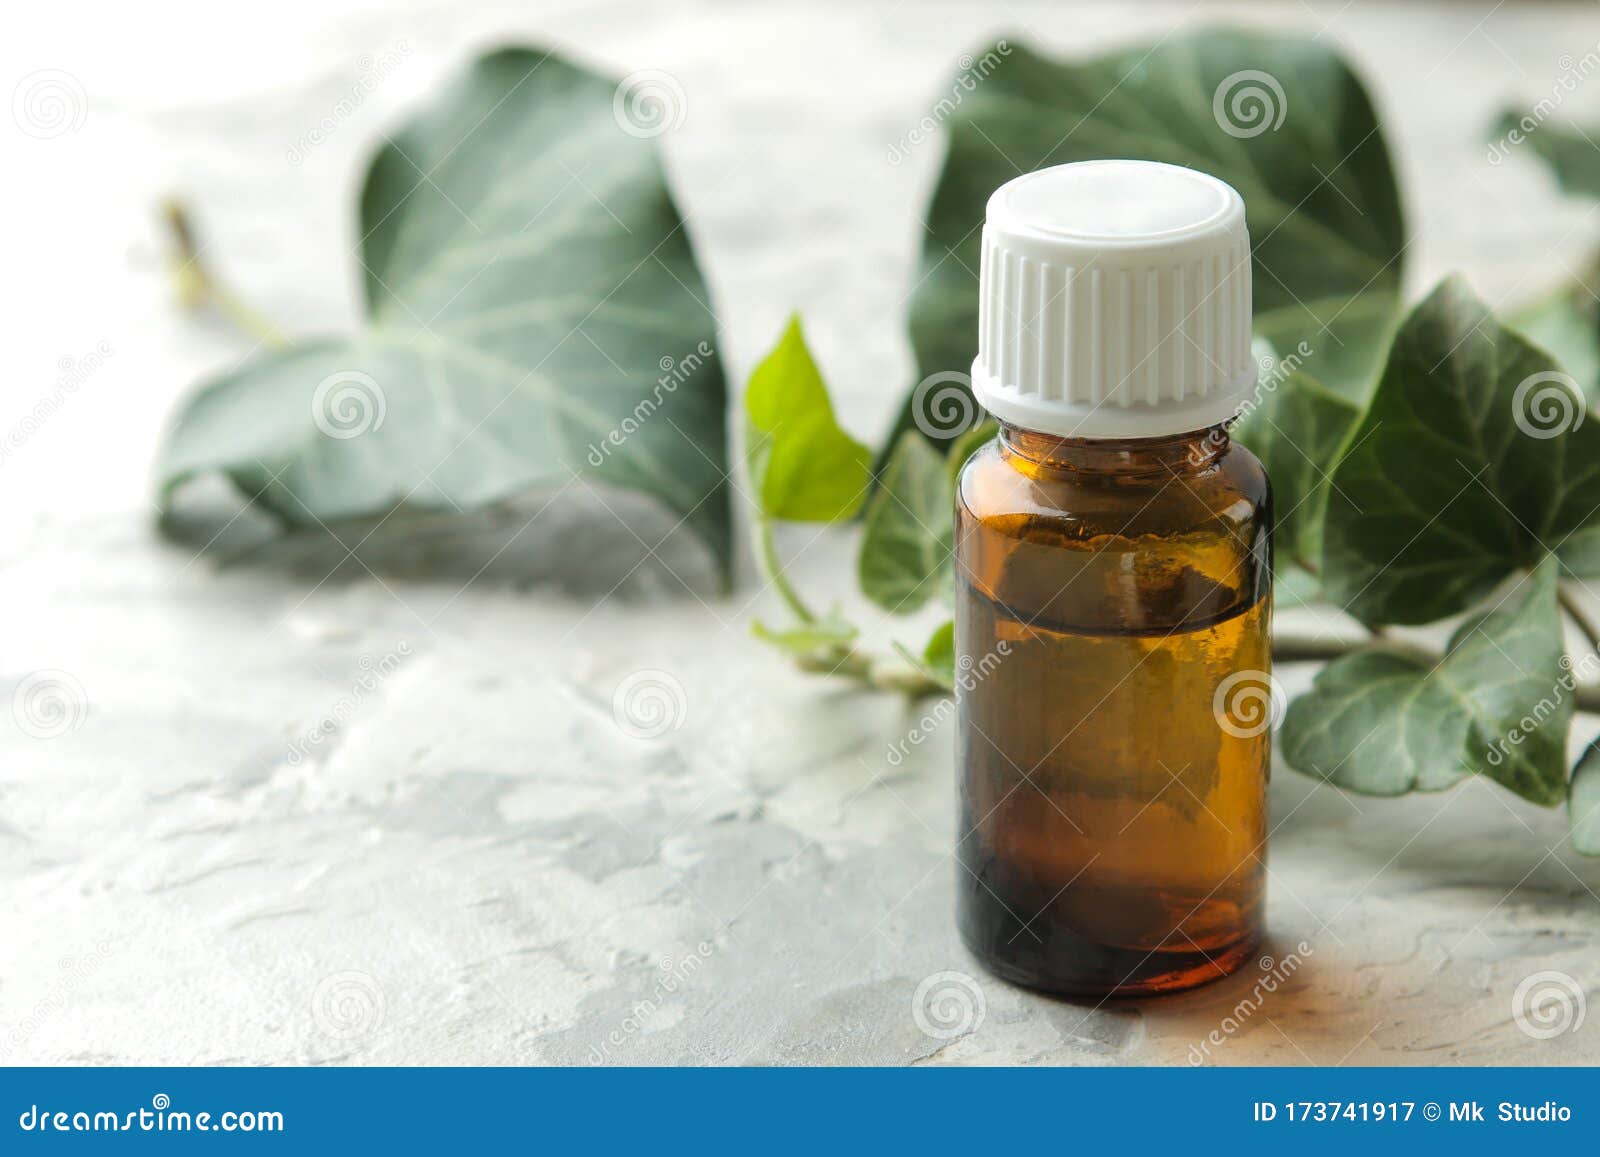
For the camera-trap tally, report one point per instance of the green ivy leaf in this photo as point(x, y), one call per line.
point(1385, 723)
point(909, 535)
point(804, 467)
point(1567, 323)
point(1296, 427)
point(1473, 459)
point(533, 309)
point(1571, 151)
point(824, 636)
point(969, 444)
point(940, 653)
point(1583, 802)
point(1319, 190)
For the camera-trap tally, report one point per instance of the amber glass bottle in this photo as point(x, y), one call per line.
point(1113, 606)
point(1113, 805)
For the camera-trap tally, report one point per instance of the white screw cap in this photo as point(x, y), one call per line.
point(1114, 301)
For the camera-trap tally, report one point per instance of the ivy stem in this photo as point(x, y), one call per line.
point(772, 571)
point(198, 288)
point(842, 660)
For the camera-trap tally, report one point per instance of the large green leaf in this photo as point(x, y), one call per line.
point(1473, 458)
point(1386, 723)
point(533, 309)
point(804, 466)
point(1567, 323)
point(909, 535)
point(1296, 427)
point(1319, 191)
point(1570, 150)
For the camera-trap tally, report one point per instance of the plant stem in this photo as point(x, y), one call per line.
point(841, 660)
point(197, 287)
point(772, 571)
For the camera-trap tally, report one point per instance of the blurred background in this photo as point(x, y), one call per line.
point(478, 866)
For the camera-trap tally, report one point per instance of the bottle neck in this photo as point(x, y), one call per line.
point(1170, 454)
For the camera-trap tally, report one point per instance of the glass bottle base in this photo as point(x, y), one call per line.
point(1105, 971)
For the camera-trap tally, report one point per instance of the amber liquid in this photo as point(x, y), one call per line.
point(1113, 801)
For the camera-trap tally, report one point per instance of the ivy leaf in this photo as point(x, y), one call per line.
point(968, 444)
point(1296, 428)
point(804, 467)
point(1473, 459)
point(823, 636)
point(909, 535)
point(1567, 323)
point(1384, 723)
point(940, 653)
point(1308, 157)
point(1583, 802)
point(533, 309)
point(1569, 150)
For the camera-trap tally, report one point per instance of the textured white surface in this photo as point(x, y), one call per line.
point(477, 865)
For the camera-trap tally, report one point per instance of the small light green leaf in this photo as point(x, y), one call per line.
point(808, 639)
point(1570, 150)
point(533, 309)
point(1583, 802)
point(968, 444)
point(804, 467)
point(1323, 206)
point(1474, 458)
point(1296, 427)
point(940, 653)
point(1498, 704)
point(906, 547)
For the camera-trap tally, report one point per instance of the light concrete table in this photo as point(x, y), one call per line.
point(477, 864)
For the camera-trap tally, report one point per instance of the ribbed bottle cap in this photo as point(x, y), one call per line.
point(1115, 301)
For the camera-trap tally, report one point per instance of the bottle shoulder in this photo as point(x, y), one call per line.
point(1232, 487)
